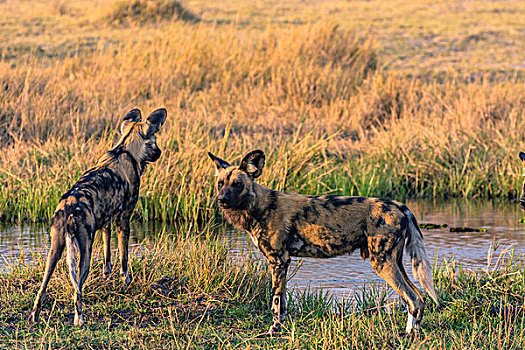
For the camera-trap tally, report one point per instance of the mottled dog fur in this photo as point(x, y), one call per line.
point(108, 191)
point(283, 225)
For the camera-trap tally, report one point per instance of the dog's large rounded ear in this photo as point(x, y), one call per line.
point(155, 121)
point(133, 116)
point(253, 163)
point(522, 156)
point(219, 163)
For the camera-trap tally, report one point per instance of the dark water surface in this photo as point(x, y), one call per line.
point(343, 275)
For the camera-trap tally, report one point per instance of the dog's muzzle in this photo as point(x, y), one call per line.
point(155, 155)
point(226, 202)
point(223, 201)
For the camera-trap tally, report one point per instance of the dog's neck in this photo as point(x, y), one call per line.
point(119, 156)
point(134, 177)
point(254, 216)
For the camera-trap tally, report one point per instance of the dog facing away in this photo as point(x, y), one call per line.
point(284, 225)
point(109, 191)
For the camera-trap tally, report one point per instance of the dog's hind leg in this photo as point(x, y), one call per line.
point(122, 226)
point(106, 235)
point(83, 267)
point(73, 250)
point(54, 255)
point(413, 322)
point(387, 263)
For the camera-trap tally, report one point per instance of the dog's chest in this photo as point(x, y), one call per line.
point(241, 221)
point(255, 235)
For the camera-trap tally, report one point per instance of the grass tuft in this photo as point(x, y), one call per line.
point(148, 11)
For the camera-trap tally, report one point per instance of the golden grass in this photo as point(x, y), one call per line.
point(143, 11)
point(315, 96)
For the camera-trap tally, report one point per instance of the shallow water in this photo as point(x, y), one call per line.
point(344, 275)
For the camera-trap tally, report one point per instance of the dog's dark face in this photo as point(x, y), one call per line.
point(235, 183)
point(522, 198)
point(139, 137)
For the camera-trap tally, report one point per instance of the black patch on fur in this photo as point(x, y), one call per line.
point(339, 201)
point(380, 221)
point(229, 175)
point(309, 213)
point(404, 224)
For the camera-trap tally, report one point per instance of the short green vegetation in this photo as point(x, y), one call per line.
point(193, 294)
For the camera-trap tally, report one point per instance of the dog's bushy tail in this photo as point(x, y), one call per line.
point(421, 267)
point(72, 251)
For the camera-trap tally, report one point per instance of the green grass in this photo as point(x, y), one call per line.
point(191, 294)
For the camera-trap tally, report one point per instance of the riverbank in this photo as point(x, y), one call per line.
point(192, 295)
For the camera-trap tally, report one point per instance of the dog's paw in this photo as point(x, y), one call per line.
point(275, 329)
point(106, 272)
point(126, 278)
point(414, 333)
point(33, 317)
point(79, 320)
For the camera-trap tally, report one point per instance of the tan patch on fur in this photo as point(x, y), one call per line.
point(316, 234)
point(60, 206)
point(391, 218)
point(70, 200)
point(276, 240)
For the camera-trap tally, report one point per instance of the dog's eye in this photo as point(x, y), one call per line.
point(236, 184)
point(220, 184)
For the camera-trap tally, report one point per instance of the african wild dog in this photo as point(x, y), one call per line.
point(522, 198)
point(108, 191)
point(283, 225)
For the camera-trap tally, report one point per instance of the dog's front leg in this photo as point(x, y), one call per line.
point(106, 235)
point(278, 269)
point(122, 226)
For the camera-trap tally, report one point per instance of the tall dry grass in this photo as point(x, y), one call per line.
point(313, 97)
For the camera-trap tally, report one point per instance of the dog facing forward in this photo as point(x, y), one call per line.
point(108, 191)
point(283, 225)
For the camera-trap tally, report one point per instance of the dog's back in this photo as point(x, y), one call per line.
point(327, 226)
point(99, 194)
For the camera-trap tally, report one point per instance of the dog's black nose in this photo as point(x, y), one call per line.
point(223, 199)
